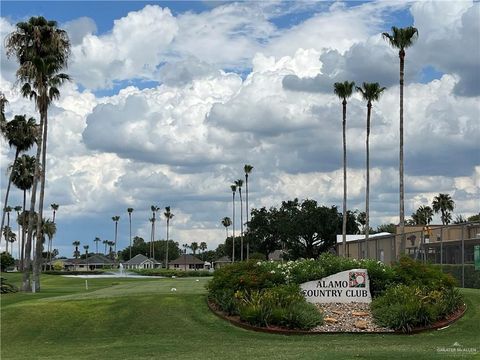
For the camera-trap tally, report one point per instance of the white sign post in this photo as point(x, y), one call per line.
point(343, 287)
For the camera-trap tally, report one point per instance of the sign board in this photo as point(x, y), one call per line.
point(476, 256)
point(343, 287)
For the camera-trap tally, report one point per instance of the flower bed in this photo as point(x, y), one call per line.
point(405, 296)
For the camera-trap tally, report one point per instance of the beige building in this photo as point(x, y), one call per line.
point(440, 244)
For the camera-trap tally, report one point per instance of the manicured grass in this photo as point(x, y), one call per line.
point(144, 319)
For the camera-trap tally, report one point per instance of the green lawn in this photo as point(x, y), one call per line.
point(144, 319)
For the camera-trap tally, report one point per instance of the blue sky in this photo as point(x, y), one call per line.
point(169, 112)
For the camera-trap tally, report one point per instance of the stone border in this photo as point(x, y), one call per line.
point(235, 320)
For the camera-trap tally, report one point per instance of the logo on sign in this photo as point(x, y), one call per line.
point(357, 279)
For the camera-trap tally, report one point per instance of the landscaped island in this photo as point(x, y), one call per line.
point(406, 296)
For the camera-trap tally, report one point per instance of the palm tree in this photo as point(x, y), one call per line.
point(17, 209)
point(344, 91)
point(10, 237)
point(76, 253)
point(423, 215)
point(203, 246)
point(3, 121)
point(130, 210)
point(370, 92)
point(443, 203)
point(22, 177)
point(239, 184)
point(115, 220)
point(401, 38)
point(168, 216)
point(21, 134)
point(185, 247)
point(154, 209)
point(110, 249)
point(54, 208)
point(105, 242)
point(49, 229)
point(247, 169)
point(194, 247)
point(226, 221)
point(96, 241)
point(234, 189)
point(86, 254)
point(42, 51)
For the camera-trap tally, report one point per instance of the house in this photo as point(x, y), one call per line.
point(140, 261)
point(96, 261)
point(187, 262)
point(221, 262)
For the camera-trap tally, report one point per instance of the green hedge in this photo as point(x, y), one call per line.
point(472, 276)
point(91, 272)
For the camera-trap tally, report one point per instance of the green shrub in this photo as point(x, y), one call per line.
point(412, 272)
point(451, 301)
point(301, 315)
point(172, 272)
point(58, 265)
point(225, 299)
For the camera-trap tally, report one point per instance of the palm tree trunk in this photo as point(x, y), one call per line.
point(246, 208)
point(6, 196)
point(367, 192)
point(23, 230)
point(233, 226)
point(241, 225)
point(19, 238)
point(344, 223)
point(402, 189)
point(166, 250)
point(130, 228)
point(37, 265)
point(26, 286)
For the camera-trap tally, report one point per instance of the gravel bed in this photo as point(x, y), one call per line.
point(352, 317)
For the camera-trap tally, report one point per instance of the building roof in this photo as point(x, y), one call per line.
point(361, 237)
point(97, 259)
point(140, 259)
point(186, 259)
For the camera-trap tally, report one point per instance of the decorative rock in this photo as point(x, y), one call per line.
point(330, 320)
point(337, 312)
point(361, 324)
point(360, 313)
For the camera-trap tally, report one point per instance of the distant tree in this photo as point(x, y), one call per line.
point(390, 228)
point(247, 169)
point(460, 219)
point(474, 218)
point(423, 215)
point(6, 260)
point(115, 220)
point(168, 216)
point(239, 184)
point(86, 254)
point(96, 241)
point(203, 247)
point(194, 247)
point(54, 208)
point(76, 253)
point(226, 222)
point(234, 189)
point(105, 242)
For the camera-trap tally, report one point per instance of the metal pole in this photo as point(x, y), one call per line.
point(463, 257)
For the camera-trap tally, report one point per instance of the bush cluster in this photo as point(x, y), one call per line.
point(404, 307)
point(472, 276)
point(6, 287)
point(406, 295)
point(170, 272)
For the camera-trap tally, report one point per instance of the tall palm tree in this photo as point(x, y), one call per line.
point(96, 241)
point(226, 221)
point(23, 171)
point(234, 189)
point(370, 92)
point(239, 184)
point(110, 249)
point(168, 216)
point(443, 203)
point(401, 38)
point(42, 50)
point(76, 253)
point(54, 208)
point(185, 247)
point(17, 209)
point(8, 210)
point(21, 134)
point(3, 121)
point(247, 169)
point(130, 210)
point(344, 91)
point(49, 229)
point(154, 209)
point(115, 220)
